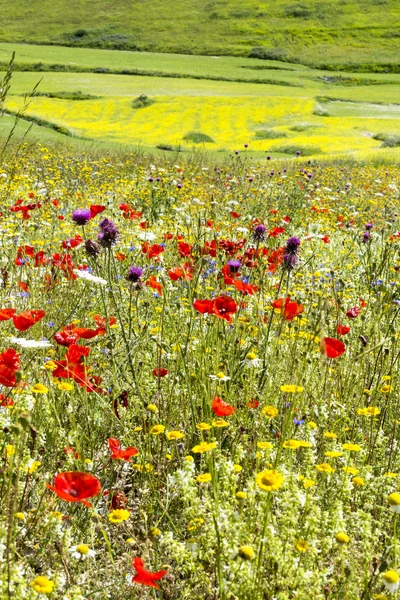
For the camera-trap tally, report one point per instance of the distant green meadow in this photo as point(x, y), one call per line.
point(174, 102)
point(313, 32)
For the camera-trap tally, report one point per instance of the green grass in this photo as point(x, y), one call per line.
point(317, 32)
point(225, 98)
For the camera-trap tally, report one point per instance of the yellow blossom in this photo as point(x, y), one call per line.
point(269, 411)
point(204, 447)
point(264, 445)
point(157, 429)
point(246, 552)
point(291, 389)
point(39, 388)
point(220, 423)
point(118, 515)
point(351, 447)
point(325, 468)
point(204, 478)
point(302, 546)
point(269, 481)
point(203, 426)
point(42, 585)
point(174, 435)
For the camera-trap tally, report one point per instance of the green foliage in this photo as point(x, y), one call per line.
point(66, 95)
point(312, 32)
point(297, 150)
point(389, 140)
point(198, 138)
point(269, 134)
point(142, 101)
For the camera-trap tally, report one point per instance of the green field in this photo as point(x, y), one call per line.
point(214, 103)
point(316, 32)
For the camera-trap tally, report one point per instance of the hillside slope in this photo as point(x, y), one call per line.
point(315, 32)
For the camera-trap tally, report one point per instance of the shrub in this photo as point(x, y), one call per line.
point(267, 53)
point(389, 140)
point(269, 134)
point(142, 101)
point(169, 148)
point(298, 11)
point(293, 150)
point(198, 138)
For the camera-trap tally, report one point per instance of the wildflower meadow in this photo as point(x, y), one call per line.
point(199, 378)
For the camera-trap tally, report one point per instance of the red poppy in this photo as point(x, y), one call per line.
point(181, 273)
point(72, 242)
point(74, 486)
point(253, 403)
point(27, 319)
point(152, 251)
point(85, 334)
point(153, 283)
point(352, 313)
point(332, 348)
point(96, 209)
point(276, 231)
point(117, 452)
point(224, 307)
point(101, 323)
point(66, 338)
point(222, 408)
point(7, 313)
point(184, 249)
point(144, 577)
point(342, 329)
point(40, 259)
point(9, 365)
point(326, 239)
point(210, 248)
point(289, 310)
point(6, 402)
point(160, 372)
point(204, 306)
point(245, 288)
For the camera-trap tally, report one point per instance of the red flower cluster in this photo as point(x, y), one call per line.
point(222, 307)
point(24, 210)
point(289, 310)
point(25, 320)
point(222, 408)
point(332, 348)
point(74, 486)
point(118, 453)
point(144, 577)
point(9, 365)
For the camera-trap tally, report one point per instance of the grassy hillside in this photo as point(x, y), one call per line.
point(181, 102)
point(317, 32)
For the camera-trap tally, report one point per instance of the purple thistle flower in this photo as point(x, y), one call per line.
point(369, 226)
point(290, 260)
point(92, 248)
point(234, 265)
point(134, 274)
point(259, 232)
point(292, 245)
point(81, 216)
point(108, 234)
point(366, 237)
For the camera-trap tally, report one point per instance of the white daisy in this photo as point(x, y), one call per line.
point(81, 552)
point(89, 277)
point(30, 344)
